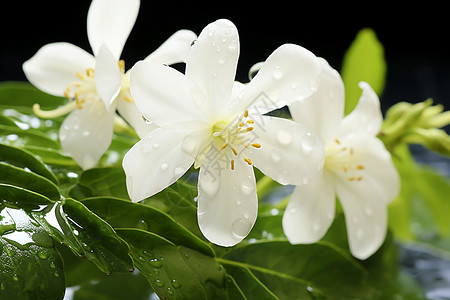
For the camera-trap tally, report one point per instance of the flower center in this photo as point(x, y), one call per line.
point(344, 160)
point(236, 136)
point(83, 90)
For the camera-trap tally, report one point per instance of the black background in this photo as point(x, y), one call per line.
point(416, 37)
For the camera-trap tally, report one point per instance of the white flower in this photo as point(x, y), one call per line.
point(97, 84)
point(208, 120)
point(357, 168)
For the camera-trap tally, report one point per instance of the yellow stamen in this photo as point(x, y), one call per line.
point(250, 121)
point(234, 151)
point(61, 111)
point(360, 167)
point(256, 145)
point(351, 178)
point(90, 72)
point(337, 141)
point(122, 65)
point(250, 129)
point(224, 146)
point(248, 161)
point(241, 124)
point(359, 178)
point(128, 99)
point(80, 76)
point(232, 164)
point(246, 114)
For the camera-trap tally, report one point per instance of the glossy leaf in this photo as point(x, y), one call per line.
point(363, 61)
point(101, 182)
point(175, 272)
point(71, 223)
point(125, 214)
point(30, 266)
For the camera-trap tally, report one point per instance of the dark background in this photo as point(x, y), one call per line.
point(415, 37)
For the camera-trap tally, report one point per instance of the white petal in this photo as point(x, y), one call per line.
point(289, 74)
point(366, 117)
point(165, 96)
point(87, 133)
point(289, 153)
point(175, 49)
point(55, 65)
point(378, 172)
point(365, 218)
point(323, 111)
point(365, 193)
point(227, 201)
point(133, 116)
point(110, 22)
point(108, 80)
point(159, 159)
point(310, 211)
point(212, 62)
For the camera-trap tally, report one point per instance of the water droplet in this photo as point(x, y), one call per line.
point(232, 46)
point(247, 186)
point(141, 258)
point(175, 284)
point(148, 253)
point(42, 254)
point(275, 155)
point(52, 265)
point(178, 171)
point(283, 177)
point(221, 60)
point(86, 133)
point(189, 145)
point(155, 263)
point(210, 185)
point(359, 233)
point(15, 277)
point(159, 283)
point(164, 166)
point(368, 210)
point(316, 225)
point(56, 274)
point(277, 73)
point(241, 227)
point(308, 142)
point(284, 137)
point(169, 291)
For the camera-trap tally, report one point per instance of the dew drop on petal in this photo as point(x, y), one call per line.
point(284, 137)
point(247, 186)
point(275, 155)
point(189, 145)
point(164, 166)
point(232, 46)
point(241, 227)
point(368, 210)
point(210, 185)
point(308, 142)
point(221, 60)
point(277, 73)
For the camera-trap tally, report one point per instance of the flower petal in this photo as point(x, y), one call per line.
point(55, 65)
point(323, 111)
point(365, 218)
point(212, 62)
point(87, 133)
point(289, 153)
point(110, 22)
point(310, 211)
point(366, 117)
point(165, 96)
point(289, 74)
point(160, 159)
point(227, 201)
point(175, 49)
point(133, 116)
point(365, 200)
point(108, 80)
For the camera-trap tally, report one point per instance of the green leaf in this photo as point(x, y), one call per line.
point(125, 214)
point(175, 272)
point(24, 159)
point(312, 270)
point(22, 177)
point(363, 61)
point(30, 266)
point(71, 223)
point(23, 94)
point(101, 182)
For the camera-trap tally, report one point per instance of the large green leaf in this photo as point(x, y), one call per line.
point(71, 223)
point(125, 214)
point(363, 61)
point(175, 272)
point(30, 266)
point(101, 182)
